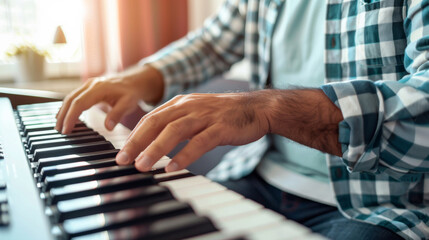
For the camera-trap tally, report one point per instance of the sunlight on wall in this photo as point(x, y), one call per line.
point(33, 22)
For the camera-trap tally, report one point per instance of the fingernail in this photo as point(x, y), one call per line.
point(111, 124)
point(122, 158)
point(65, 130)
point(144, 163)
point(171, 167)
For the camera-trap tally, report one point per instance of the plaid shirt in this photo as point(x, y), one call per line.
point(377, 72)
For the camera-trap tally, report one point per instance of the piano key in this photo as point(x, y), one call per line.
point(107, 221)
point(90, 156)
point(183, 226)
point(59, 135)
point(87, 175)
point(39, 108)
point(2, 184)
point(75, 166)
point(98, 187)
point(187, 182)
point(53, 131)
point(97, 174)
point(42, 127)
point(71, 149)
point(163, 177)
point(107, 202)
point(36, 118)
point(64, 141)
point(39, 105)
point(37, 112)
point(36, 122)
point(230, 209)
point(70, 191)
point(211, 201)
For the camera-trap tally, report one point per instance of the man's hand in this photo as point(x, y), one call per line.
point(210, 120)
point(207, 120)
point(121, 92)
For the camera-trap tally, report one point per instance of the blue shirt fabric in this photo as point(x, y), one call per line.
point(376, 72)
point(297, 61)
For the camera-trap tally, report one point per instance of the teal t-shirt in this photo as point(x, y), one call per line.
point(297, 61)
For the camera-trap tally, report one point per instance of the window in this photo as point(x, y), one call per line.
point(34, 22)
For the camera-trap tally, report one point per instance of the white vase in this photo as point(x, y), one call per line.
point(29, 67)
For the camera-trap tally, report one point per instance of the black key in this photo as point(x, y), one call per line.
point(4, 214)
point(98, 187)
point(90, 156)
point(122, 218)
point(59, 135)
point(87, 175)
point(64, 141)
point(71, 149)
point(108, 202)
point(53, 131)
point(179, 227)
point(75, 166)
point(42, 127)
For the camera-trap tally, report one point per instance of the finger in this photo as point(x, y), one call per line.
point(198, 146)
point(124, 106)
point(174, 133)
point(81, 103)
point(144, 134)
point(66, 104)
point(65, 107)
point(166, 106)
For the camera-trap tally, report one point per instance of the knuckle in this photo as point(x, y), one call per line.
point(133, 144)
point(77, 102)
point(67, 99)
point(152, 120)
point(178, 97)
point(201, 140)
point(175, 128)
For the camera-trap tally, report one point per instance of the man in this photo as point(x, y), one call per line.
point(370, 115)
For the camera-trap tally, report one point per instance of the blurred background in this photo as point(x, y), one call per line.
point(54, 45)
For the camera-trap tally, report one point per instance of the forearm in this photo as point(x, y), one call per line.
point(306, 116)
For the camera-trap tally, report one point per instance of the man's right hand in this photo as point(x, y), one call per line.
point(122, 93)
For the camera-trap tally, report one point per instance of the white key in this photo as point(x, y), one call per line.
point(195, 191)
point(170, 174)
point(230, 209)
point(185, 182)
point(214, 200)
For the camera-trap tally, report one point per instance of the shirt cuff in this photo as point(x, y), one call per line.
point(359, 133)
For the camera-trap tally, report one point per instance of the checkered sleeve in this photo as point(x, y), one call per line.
point(386, 123)
point(204, 53)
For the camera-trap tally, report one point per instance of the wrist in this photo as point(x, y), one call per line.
point(306, 116)
point(147, 81)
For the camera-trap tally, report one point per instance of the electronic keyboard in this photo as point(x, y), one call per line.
point(55, 186)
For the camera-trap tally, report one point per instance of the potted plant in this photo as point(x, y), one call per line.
point(30, 62)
